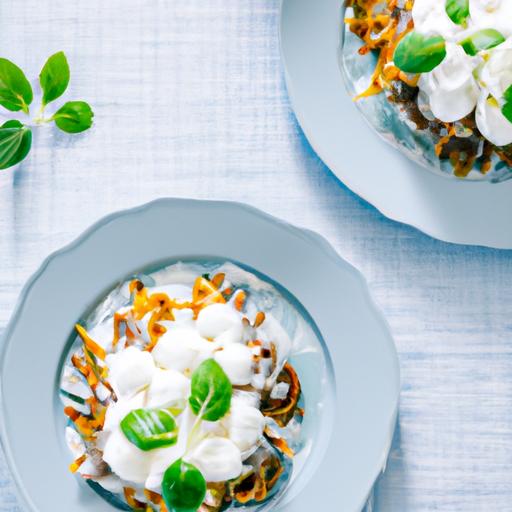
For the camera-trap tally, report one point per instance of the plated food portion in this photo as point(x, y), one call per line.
point(435, 78)
point(339, 346)
point(181, 394)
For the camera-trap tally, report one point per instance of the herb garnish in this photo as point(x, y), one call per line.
point(506, 110)
point(183, 487)
point(417, 53)
point(16, 95)
point(54, 77)
point(15, 90)
point(482, 40)
point(211, 391)
point(15, 142)
point(458, 11)
point(148, 429)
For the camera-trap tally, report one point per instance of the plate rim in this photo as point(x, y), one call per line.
point(324, 246)
point(496, 240)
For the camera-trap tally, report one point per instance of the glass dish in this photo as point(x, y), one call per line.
point(393, 124)
point(308, 352)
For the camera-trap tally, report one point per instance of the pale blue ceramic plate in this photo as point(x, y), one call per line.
point(350, 440)
point(450, 209)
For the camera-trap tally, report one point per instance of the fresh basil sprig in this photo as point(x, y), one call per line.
point(16, 95)
point(148, 429)
point(507, 107)
point(15, 143)
point(482, 40)
point(417, 53)
point(211, 394)
point(458, 11)
point(183, 487)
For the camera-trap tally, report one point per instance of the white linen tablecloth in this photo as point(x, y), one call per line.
point(190, 102)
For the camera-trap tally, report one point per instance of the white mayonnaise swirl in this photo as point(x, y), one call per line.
point(218, 459)
point(451, 88)
point(130, 371)
point(430, 18)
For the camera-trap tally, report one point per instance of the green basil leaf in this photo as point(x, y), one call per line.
point(13, 123)
point(482, 40)
point(458, 11)
point(15, 143)
point(15, 90)
point(183, 487)
point(211, 391)
point(54, 77)
point(148, 429)
point(507, 110)
point(74, 117)
point(417, 53)
point(508, 94)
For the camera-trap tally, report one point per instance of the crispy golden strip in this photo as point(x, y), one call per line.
point(282, 411)
point(75, 466)
point(96, 349)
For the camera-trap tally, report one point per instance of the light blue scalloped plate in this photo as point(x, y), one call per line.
point(352, 438)
point(454, 210)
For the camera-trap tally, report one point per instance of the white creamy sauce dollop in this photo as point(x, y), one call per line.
point(237, 361)
point(461, 83)
point(130, 371)
point(218, 459)
point(244, 424)
point(451, 87)
point(430, 17)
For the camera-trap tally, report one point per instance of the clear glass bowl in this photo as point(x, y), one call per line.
point(392, 124)
point(309, 357)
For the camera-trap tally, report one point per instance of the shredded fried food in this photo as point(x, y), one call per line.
point(87, 426)
point(255, 486)
point(129, 495)
point(260, 318)
point(282, 411)
point(381, 26)
point(91, 345)
point(118, 320)
point(240, 299)
point(279, 442)
point(75, 466)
